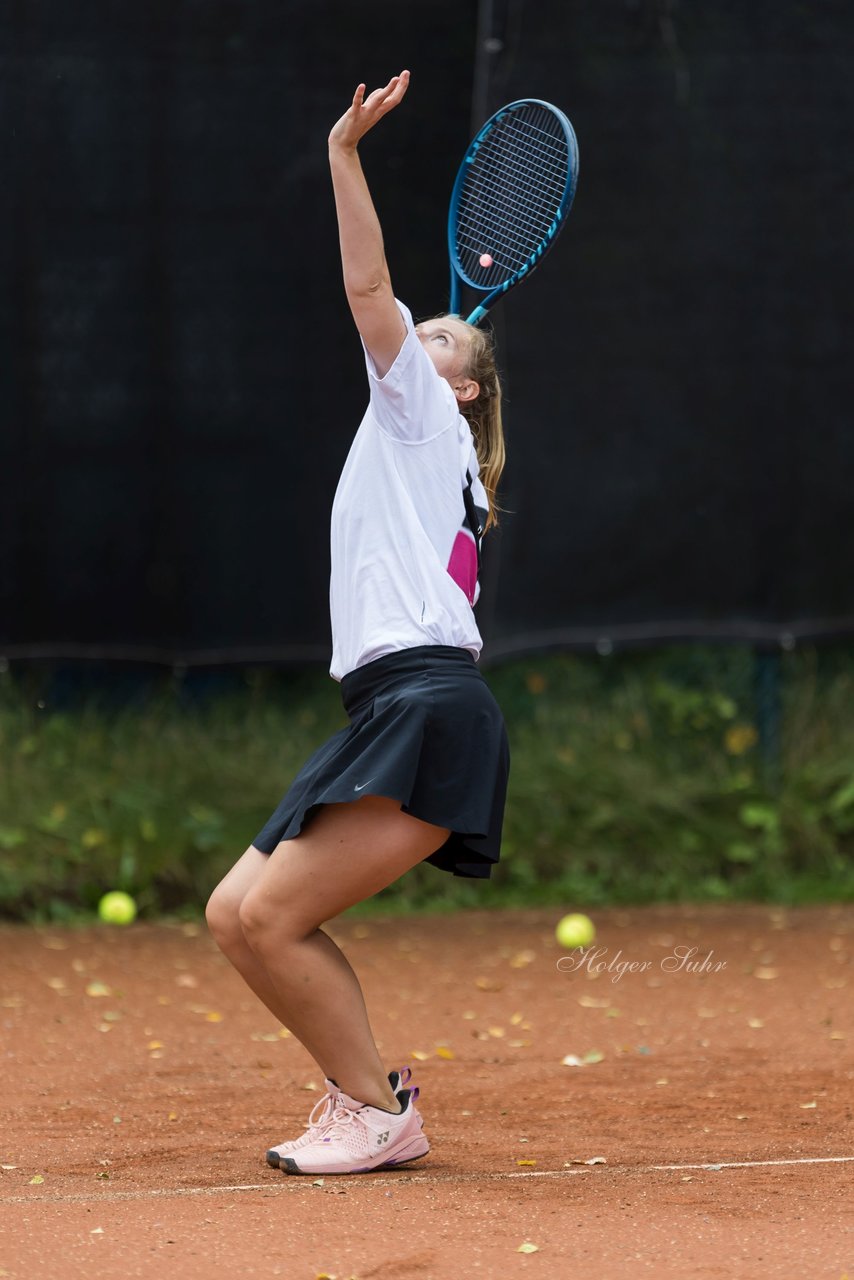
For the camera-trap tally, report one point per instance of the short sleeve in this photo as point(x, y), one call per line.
point(412, 402)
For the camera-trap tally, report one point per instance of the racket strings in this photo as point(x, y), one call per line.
point(510, 231)
point(512, 193)
point(529, 190)
point(538, 187)
point(491, 195)
point(507, 230)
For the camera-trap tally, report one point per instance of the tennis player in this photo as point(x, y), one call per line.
point(420, 773)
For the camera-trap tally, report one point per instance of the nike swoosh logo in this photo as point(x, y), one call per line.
point(364, 784)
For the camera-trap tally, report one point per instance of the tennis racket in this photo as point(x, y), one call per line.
point(513, 191)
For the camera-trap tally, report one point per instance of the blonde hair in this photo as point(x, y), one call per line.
point(483, 414)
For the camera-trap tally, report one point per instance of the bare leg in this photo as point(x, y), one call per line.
point(347, 853)
point(223, 917)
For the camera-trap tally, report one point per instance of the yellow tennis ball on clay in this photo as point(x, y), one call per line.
point(117, 908)
point(575, 931)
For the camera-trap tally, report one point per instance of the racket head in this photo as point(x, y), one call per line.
point(511, 196)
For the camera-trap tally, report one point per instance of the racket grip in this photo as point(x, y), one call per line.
point(454, 294)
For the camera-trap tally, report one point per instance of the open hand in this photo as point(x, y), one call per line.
point(364, 112)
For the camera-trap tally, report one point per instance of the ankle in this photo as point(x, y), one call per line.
point(381, 1101)
point(393, 1107)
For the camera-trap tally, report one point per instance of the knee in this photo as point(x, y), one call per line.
point(263, 926)
point(222, 914)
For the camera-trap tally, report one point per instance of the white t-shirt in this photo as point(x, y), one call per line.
point(404, 562)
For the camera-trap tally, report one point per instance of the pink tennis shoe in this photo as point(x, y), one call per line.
point(357, 1138)
point(321, 1114)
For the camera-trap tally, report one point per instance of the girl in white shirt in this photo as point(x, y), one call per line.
point(420, 772)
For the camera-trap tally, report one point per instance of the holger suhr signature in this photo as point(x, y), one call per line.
point(679, 960)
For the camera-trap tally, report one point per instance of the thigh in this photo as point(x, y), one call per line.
point(347, 853)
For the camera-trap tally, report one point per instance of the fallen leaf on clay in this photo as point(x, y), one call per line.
point(98, 989)
point(487, 984)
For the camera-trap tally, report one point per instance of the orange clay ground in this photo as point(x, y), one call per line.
point(142, 1084)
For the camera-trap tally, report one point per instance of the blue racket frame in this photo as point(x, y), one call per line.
point(459, 275)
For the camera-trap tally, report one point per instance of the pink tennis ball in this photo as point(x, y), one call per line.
point(486, 259)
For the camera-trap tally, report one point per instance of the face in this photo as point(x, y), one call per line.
point(446, 342)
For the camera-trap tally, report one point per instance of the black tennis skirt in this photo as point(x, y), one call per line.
point(426, 731)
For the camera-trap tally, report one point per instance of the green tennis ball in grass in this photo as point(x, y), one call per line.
point(117, 908)
point(575, 931)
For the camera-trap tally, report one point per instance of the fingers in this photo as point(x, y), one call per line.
point(363, 113)
point(390, 95)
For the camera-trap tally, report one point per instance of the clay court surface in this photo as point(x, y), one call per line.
point(709, 1133)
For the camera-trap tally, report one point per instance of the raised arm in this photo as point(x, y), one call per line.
point(366, 277)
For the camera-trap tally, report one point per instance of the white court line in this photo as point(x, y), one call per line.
point(306, 1181)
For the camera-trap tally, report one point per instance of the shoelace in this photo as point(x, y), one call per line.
point(329, 1109)
point(323, 1109)
point(342, 1116)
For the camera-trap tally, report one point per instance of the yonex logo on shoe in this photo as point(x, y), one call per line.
point(382, 1138)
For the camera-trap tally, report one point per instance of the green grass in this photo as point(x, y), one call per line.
point(634, 778)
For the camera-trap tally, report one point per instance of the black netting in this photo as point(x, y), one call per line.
point(181, 378)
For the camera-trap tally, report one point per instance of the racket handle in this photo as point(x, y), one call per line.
point(476, 316)
point(454, 294)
